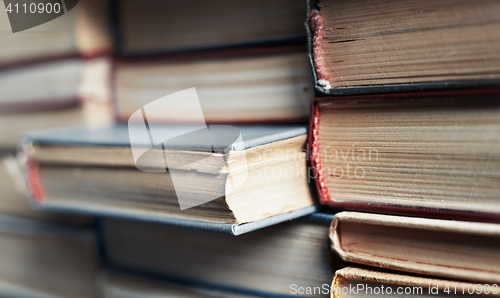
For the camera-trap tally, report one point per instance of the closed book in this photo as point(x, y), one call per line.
point(157, 27)
point(14, 196)
point(51, 94)
point(446, 248)
point(431, 153)
point(251, 85)
point(216, 176)
point(364, 47)
point(41, 259)
point(362, 282)
point(83, 30)
point(277, 261)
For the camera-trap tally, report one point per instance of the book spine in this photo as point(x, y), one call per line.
point(317, 169)
point(317, 26)
point(34, 188)
point(312, 39)
point(33, 181)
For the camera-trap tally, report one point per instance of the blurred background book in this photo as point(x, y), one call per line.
point(159, 27)
point(56, 74)
point(83, 31)
point(42, 259)
point(263, 262)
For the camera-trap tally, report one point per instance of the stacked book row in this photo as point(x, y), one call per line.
point(353, 156)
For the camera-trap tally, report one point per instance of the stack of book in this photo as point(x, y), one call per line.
point(404, 135)
point(212, 182)
point(50, 76)
point(47, 76)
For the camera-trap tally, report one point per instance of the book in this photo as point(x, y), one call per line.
point(271, 262)
point(14, 196)
point(41, 259)
point(431, 153)
point(256, 85)
point(60, 93)
point(41, 78)
point(114, 284)
point(224, 180)
point(154, 27)
point(446, 248)
point(361, 282)
point(81, 31)
point(364, 47)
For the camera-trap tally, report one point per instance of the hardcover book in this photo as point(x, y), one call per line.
point(41, 259)
point(155, 27)
point(370, 282)
point(81, 31)
point(359, 47)
point(95, 171)
point(255, 85)
point(450, 249)
point(62, 92)
point(272, 262)
point(14, 196)
point(432, 153)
